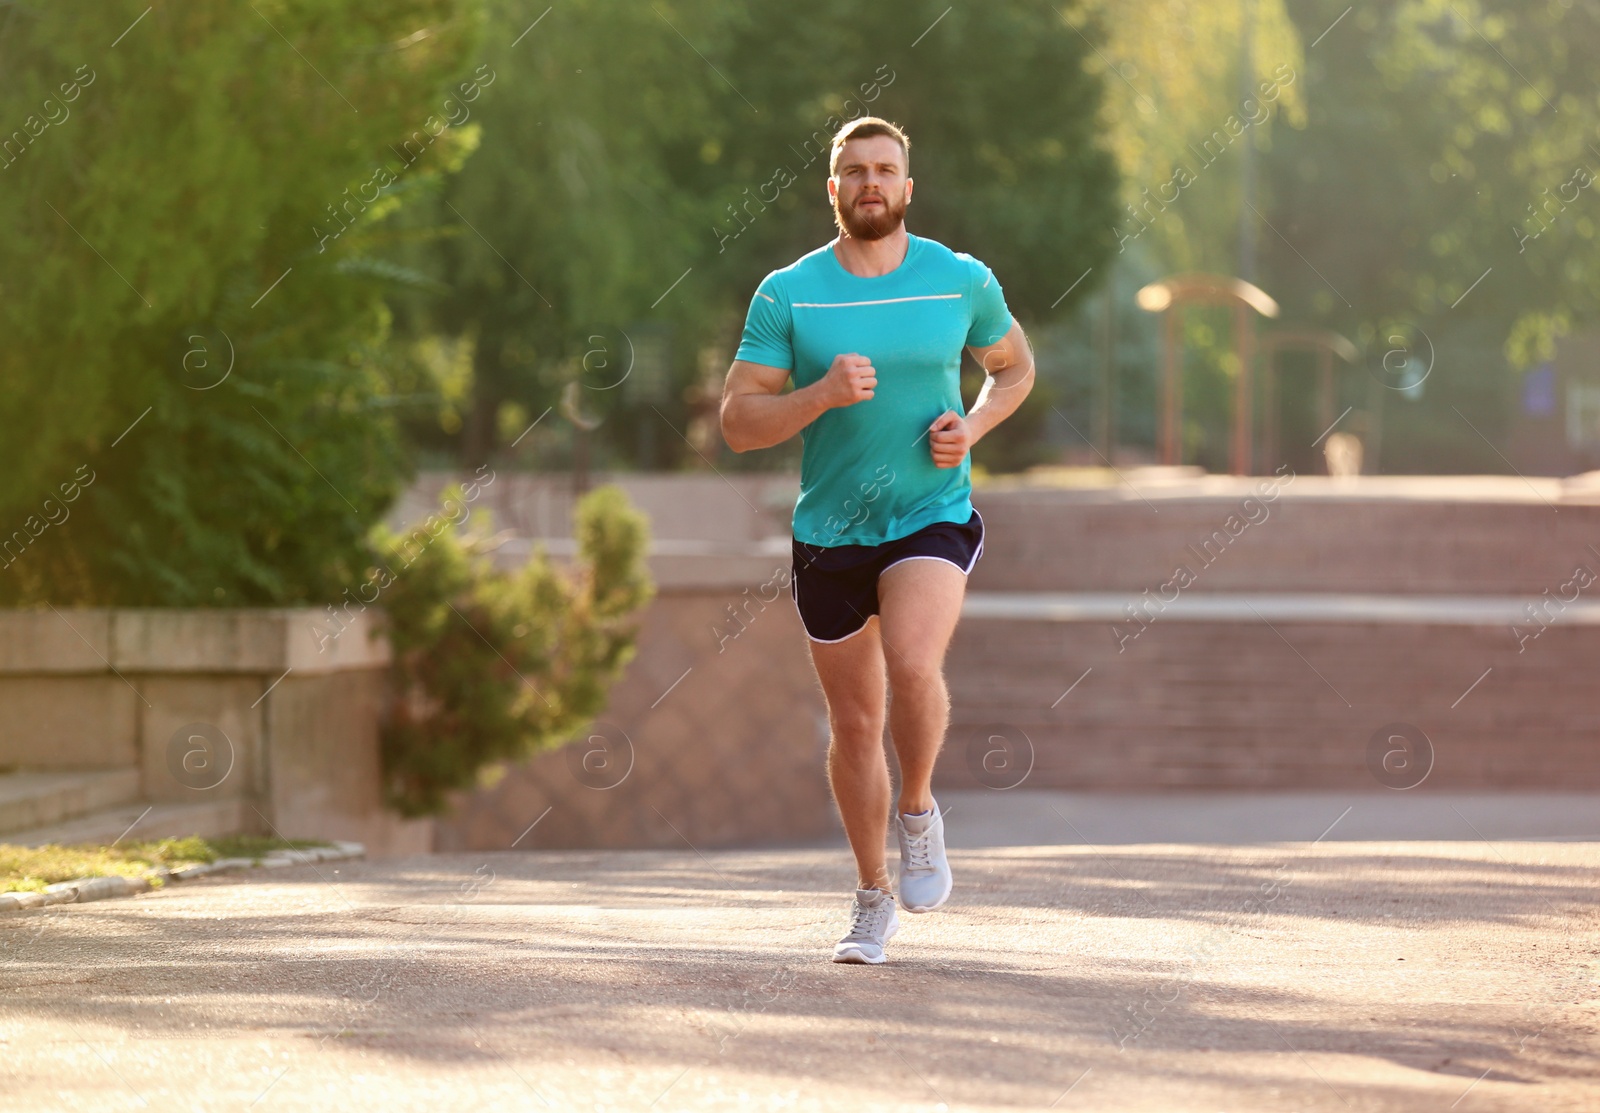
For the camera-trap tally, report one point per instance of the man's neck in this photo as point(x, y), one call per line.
point(872, 258)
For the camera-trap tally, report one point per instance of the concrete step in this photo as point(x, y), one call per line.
point(39, 799)
point(1228, 540)
point(145, 821)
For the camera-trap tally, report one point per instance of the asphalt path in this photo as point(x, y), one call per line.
point(1295, 976)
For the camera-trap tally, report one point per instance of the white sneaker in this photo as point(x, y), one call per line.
point(924, 872)
point(872, 924)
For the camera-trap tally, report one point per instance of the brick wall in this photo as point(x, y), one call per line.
point(1231, 705)
point(1239, 704)
point(707, 741)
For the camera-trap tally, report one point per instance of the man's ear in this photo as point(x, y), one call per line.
point(909, 184)
point(833, 188)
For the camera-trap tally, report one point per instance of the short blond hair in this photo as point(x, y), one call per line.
point(866, 128)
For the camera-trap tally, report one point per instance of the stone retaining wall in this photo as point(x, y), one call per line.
point(715, 735)
point(209, 705)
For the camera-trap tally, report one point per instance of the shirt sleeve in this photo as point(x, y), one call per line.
point(991, 320)
point(768, 328)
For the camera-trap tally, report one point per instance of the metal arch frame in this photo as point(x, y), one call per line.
point(1327, 344)
point(1169, 296)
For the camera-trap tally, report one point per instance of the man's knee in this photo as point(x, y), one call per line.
point(856, 727)
point(915, 669)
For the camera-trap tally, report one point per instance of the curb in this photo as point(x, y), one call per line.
point(86, 889)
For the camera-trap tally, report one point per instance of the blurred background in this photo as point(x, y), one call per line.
point(281, 280)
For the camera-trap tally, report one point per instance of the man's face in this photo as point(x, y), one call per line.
point(869, 188)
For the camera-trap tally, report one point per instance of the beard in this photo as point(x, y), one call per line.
point(873, 224)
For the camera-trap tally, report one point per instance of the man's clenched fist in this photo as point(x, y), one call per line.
point(851, 379)
point(949, 438)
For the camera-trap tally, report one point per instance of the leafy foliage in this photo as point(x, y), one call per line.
point(180, 322)
point(1423, 145)
point(493, 666)
point(1447, 144)
point(1173, 83)
point(642, 181)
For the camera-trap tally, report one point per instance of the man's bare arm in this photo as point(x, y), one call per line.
point(1009, 364)
point(757, 414)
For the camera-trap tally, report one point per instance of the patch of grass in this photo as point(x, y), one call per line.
point(31, 868)
point(255, 846)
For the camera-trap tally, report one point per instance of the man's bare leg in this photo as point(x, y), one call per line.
point(920, 603)
point(852, 675)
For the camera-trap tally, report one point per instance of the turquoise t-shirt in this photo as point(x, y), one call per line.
point(866, 472)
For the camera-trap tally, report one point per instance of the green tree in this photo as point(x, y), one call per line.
point(1004, 119)
point(191, 286)
point(491, 667)
point(1180, 116)
point(1435, 203)
point(685, 150)
point(570, 220)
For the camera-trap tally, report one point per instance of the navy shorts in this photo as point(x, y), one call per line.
point(835, 588)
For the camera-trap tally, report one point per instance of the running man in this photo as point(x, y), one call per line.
point(871, 327)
